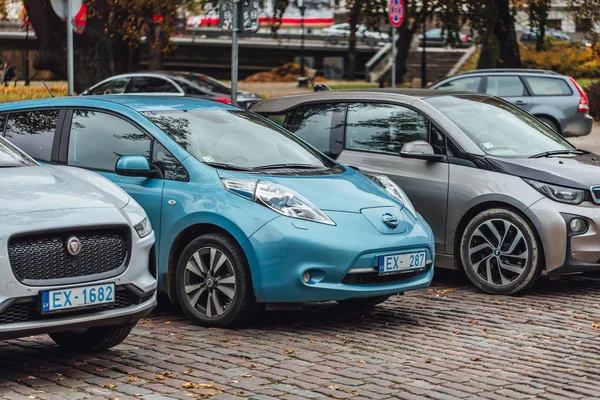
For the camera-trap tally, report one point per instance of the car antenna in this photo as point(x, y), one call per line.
point(47, 88)
point(318, 88)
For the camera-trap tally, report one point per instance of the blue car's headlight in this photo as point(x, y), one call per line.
point(278, 198)
point(392, 189)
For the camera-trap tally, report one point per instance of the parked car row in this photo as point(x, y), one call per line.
point(306, 198)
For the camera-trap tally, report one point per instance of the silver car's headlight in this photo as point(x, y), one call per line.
point(143, 228)
point(393, 190)
point(558, 193)
point(278, 198)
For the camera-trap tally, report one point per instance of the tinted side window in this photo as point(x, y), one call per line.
point(168, 164)
point(144, 84)
point(505, 86)
point(383, 128)
point(2, 122)
point(469, 84)
point(33, 132)
point(114, 86)
point(98, 139)
point(548, 86)
point(321, 126)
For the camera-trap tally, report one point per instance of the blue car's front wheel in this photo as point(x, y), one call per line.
point(213, 281)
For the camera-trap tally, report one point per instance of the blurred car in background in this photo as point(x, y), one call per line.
point(339, 32)
point(529, 35)
point(172, 83)
point(438, 37)
point(556, 100)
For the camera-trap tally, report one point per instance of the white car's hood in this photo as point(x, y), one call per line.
point(34, 189)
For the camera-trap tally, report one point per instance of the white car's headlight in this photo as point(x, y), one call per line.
point(143, 228)
point(278, 198)
point(393, 190)
point(558, 193)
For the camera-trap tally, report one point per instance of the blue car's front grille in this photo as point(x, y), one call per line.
point(595, 194)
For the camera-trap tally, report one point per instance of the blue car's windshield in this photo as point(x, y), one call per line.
point(499, 128)
point(236, 138)
point(10, 156)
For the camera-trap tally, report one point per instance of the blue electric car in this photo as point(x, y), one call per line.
point(243, 211)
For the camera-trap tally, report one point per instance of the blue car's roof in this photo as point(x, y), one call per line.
point(138, 103)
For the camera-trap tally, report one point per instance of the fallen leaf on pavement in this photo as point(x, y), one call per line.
point(596, 325)
point(475, 358)
point(160, 377)
point(288, 351)
point(31, 377)
point(187, 371)
point(132, 378)
point(428, 360)
point(172, 375)
point(167, 322)
point(361, 361)
point(188, 385)
point(333, 387)
point(247, 375)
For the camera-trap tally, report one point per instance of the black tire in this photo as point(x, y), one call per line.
point(478, 252)
point(363, 302)
point(551, 124)
point(235, 310)
point(92, 340)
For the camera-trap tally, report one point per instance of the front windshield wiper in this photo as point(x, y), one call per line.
point(230, 167)
point(555, 152)
point(280, 166)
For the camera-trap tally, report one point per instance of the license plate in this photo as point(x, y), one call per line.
point(80, 297)
point(398, 263)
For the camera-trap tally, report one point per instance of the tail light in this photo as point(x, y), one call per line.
point(225, 100)
point(464, 38)
point(584, 105)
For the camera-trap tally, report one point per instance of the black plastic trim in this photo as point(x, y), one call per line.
point(571, 265)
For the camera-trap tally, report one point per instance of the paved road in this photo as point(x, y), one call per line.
point(589, 142)
point(443, 343)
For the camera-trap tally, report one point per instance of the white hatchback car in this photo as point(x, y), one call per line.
point(76, 255)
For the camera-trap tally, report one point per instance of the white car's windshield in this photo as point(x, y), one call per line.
point(499, 128)
point(238, 139)
point(10, 156)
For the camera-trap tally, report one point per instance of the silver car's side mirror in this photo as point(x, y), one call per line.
point(420, 149)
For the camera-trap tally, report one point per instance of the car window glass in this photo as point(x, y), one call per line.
point(170, 167)
point(149, 84)
point(2, 121)
point(497, 127)
point(548, 86)
point(33, 132)
point(114, 86)
point(98, 139)
point(317, 123)
point(13, 157)
point(438, 142)
point(505, 86)
point(467, 84)
point(383, 127)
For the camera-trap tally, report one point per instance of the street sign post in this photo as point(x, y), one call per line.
point(67, 9)
point(396, 13)
point(237, 16)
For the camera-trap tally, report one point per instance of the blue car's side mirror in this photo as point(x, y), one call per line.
point(135, 166)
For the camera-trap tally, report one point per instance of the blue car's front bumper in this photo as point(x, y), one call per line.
point(342, 259)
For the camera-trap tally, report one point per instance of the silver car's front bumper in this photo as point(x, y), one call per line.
point(136, 285)
point(564, 251)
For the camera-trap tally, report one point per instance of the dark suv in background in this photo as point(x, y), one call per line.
point(557, 100)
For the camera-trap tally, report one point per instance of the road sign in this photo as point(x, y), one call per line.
point(60, 7)
point(247, 19)
point(396, 12)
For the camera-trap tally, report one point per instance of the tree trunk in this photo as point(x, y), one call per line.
point(91, 49)
point(406, 34)
point(154, 43)
point(500, 48)
point(351, 59)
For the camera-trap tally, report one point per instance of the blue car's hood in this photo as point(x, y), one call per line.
point(349, 191)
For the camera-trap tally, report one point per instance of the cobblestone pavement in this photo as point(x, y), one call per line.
point(443, 343)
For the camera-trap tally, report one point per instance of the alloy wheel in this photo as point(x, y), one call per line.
point(498, 252)
point(210, 282)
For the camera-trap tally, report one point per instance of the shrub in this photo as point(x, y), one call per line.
point(593, 93)
point(563, 57)
point(11, 93)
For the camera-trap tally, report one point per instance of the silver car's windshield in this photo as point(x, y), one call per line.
point(238, 139)
point(499, 128)
point(10, 156)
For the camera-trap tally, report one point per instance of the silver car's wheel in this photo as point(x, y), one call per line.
point(209, 282)
point(213, 281)
point(500, 252)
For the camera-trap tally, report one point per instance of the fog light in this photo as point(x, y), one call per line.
point(577, 225)
point(307, 277)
